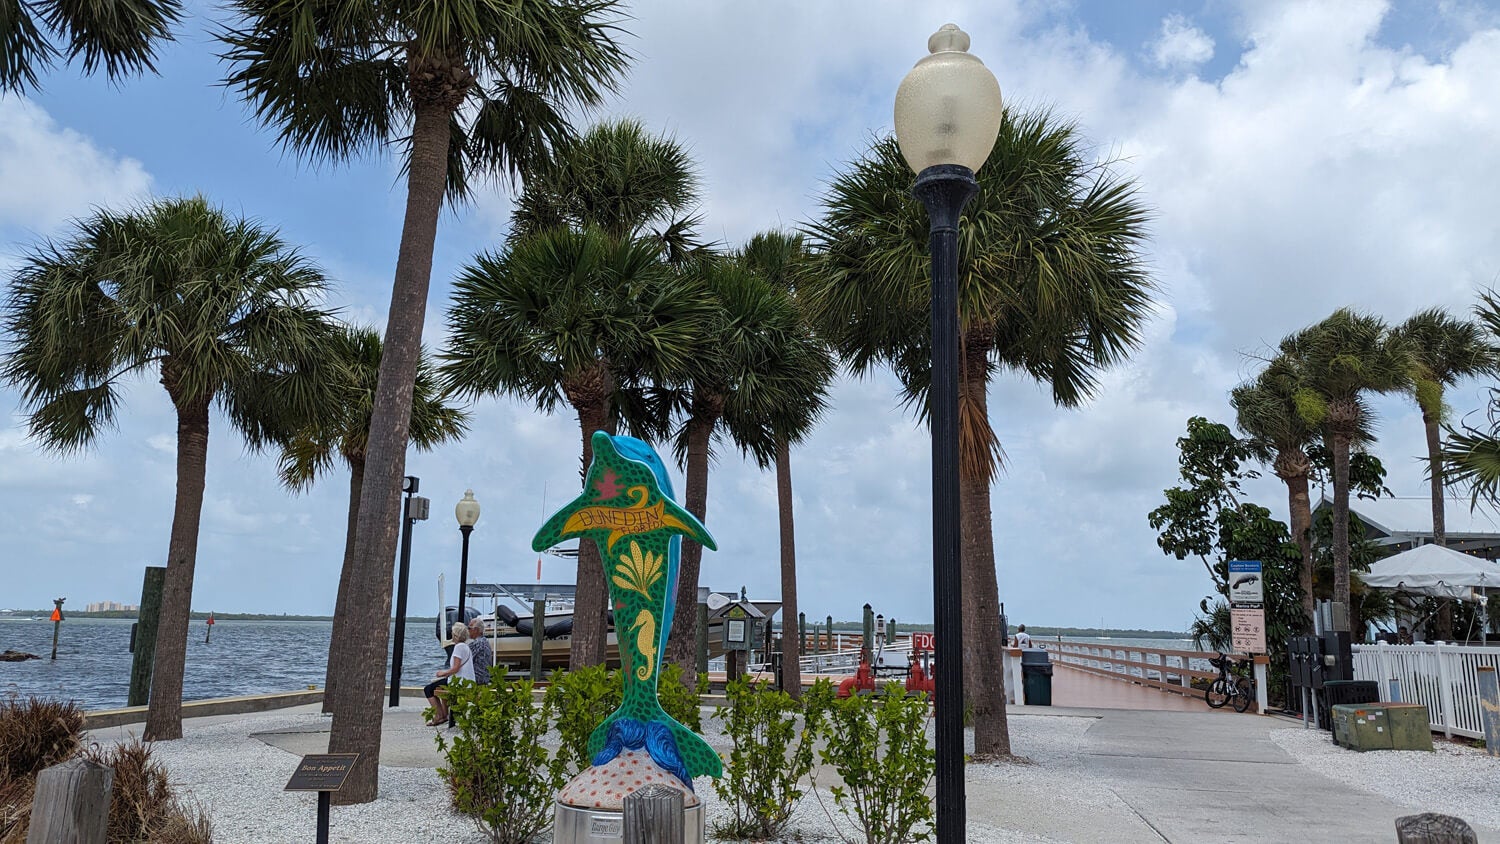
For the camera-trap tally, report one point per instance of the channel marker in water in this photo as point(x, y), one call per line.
point(627, 509)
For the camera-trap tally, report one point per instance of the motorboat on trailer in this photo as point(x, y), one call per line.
point(509, 623)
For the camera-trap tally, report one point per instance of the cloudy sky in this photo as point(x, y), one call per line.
point(1299, 157)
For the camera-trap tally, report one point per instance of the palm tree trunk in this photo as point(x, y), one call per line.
point(590, 642)
point(336, 651)
point(1439, 515)
point(1340, 451)
point(1299, 506)
point(791, 667)
point(164, 715)
point(984, 678)
point(684, 635)
point(357, 708)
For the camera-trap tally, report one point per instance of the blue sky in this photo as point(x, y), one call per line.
point(1299, 157)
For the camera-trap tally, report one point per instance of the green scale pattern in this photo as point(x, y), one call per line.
point(636, 526)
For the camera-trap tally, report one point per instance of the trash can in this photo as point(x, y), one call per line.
point(1036, 676)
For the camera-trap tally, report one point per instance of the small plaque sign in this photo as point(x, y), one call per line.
point(322, 772)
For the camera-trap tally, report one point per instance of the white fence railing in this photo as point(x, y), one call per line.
point(1444, 678)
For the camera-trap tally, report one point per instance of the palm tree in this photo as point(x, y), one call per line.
point(611, 186)
point(745, 366)
point(1472, 455)
point(576, 317)
point(340, 431)
point(1444, 350)
point(1279, 435)
point(221, 309)
point(1341, 359)
point(621, 179)
point(481, 87)
point(805, 371)
point(120, 37)
point(1051, 284)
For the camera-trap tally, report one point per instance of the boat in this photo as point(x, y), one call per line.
point(508, 622)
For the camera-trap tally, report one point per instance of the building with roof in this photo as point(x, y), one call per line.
point(1402, 523)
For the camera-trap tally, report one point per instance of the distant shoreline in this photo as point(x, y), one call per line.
point(197, 616)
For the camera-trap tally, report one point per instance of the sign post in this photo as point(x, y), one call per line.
point(57, 618)
point(324, 773)
point(1247, 613)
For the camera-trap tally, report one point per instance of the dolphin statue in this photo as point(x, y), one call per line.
point(627, 509)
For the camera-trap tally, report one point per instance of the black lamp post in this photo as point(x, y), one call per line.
point(413, 510)
point(947, 116)
point(467, 513)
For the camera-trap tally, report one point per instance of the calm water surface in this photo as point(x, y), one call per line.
point(244, 657)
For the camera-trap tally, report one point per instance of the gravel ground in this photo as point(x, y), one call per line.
point(238, 780)
point(1455, 779)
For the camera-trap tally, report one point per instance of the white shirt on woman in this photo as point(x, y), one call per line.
point(461, 652)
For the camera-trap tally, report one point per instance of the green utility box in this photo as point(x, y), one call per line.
point(1361, 726)
point(1409, 726)
point(1382, 726)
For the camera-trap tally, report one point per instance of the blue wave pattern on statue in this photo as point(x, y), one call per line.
point(630, 734)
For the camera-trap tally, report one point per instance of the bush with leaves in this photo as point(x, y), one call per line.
point(877, 744)
point(772, 752)
point(582, 700)
point(497, 770)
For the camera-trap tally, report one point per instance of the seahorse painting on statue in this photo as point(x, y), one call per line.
point(628, 510)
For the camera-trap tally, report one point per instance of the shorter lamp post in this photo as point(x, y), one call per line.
point(467, 513)
point(948, 114)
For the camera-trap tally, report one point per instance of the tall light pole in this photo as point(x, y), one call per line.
point(947, 117)
point(467, 513)
point(413, 509)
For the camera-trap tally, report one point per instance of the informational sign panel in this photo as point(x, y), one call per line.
point(922, 641)
point(1248, 629)
point(322, 772)
point(1246, 584)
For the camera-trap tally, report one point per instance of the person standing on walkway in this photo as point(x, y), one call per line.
point(482, 651)
point(1023, 639)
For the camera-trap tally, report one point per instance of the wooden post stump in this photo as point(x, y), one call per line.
point(71, 805)
point(654, 815)
point(1432, 828)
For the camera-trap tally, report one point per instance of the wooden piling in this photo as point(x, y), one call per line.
point(71, 803)
point(1489, 708)
point(538, 629)
point(654, 815)
point(152, 585)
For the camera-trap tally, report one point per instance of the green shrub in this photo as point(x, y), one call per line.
point(498, 772)
point(877, 744)
point(678, 699)
point(762, 780)
point(582, 700)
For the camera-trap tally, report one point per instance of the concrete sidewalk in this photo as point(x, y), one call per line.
point(1190, 777)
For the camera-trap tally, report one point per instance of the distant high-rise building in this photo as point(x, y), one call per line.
point(111, 606)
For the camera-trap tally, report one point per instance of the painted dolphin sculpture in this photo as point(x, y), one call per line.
point(627, 509)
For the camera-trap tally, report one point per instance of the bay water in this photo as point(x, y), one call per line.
point(243, 658)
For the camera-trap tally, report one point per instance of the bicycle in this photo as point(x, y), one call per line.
point(1229, 687)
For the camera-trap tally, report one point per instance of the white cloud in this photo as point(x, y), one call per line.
point(52, 173)
point(1181, 44)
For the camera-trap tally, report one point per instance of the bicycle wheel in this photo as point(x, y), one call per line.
point(1217, 694)
point(1243, 695)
